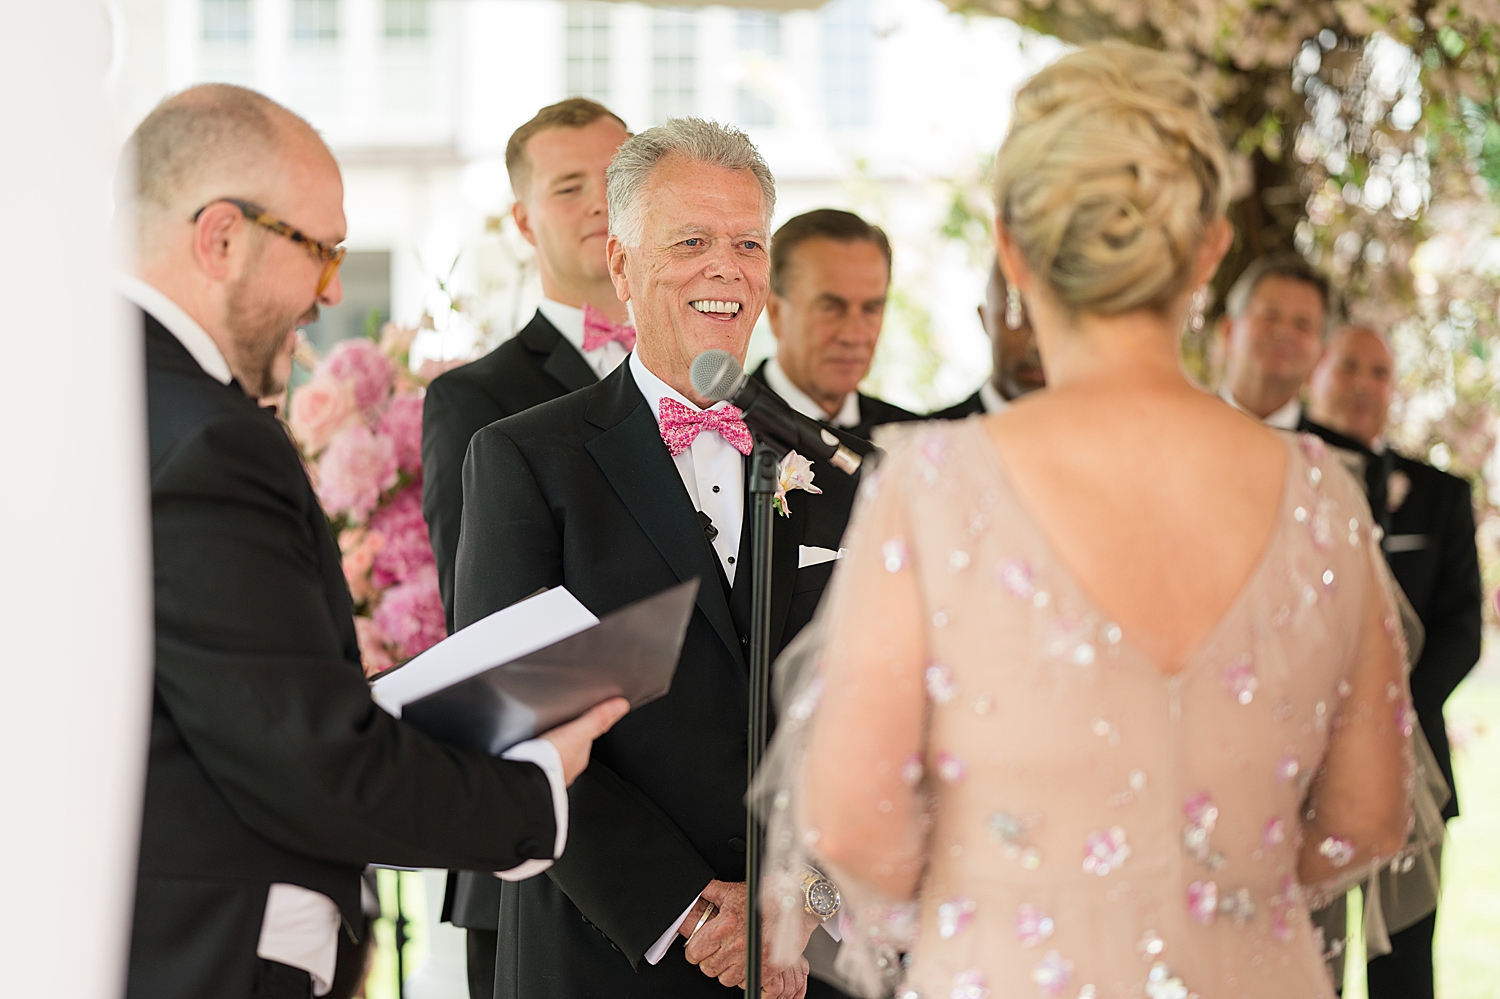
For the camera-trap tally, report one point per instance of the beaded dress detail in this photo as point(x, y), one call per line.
point(1096, 828)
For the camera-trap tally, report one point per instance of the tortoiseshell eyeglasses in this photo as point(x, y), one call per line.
point(329, 256)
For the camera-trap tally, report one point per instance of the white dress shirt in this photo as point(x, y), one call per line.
point(846, 417)
point(712, 471)
point(1285, 418)
point(569, 322)
point(300, 927)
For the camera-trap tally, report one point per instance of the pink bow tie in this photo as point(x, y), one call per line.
point(680, 426)
point(598, 330)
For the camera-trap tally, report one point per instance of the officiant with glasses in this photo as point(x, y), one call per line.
point(620, 491)
point(579, 334)
point(273, 779)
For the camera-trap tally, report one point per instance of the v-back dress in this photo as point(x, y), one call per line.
point(1098, 828)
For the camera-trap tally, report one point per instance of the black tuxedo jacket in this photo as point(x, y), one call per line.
point(268, 760)
point(581, 492)
point(873, 412)
point(1429, 544)
point(973, 404)
point(536, 365)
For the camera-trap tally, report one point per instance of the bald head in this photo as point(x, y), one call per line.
point(238, 206)
point(215, 141)
point(1352, 386)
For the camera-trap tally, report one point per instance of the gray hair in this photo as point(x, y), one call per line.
point(1282, 265)
point(706, 142)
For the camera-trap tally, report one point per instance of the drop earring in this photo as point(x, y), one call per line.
point(1196, 320)
point(1015, 312)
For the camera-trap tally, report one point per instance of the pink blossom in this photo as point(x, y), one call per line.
point(369, 373)
point(407, 547)
point(396, 341)
point(355, 469)
point(402, 423)
point(411, 613)
point(359, 548)
point(319, 410)
point(374, 651)
point(431, 368)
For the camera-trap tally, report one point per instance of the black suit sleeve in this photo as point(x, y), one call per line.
point(1454, 620)
point(628, 868)
point(250, 667)
point(452, 411)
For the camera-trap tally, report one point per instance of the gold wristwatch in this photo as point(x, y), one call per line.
point(820, 897)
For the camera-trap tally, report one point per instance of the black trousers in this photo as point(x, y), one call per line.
point(274, 980)
point(482, 947)
point(1406, 972)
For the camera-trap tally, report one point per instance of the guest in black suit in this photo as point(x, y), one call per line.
point(1017, 364)
point(556, 163)
point(830, 273)
point(273, 779)
point(1429, 543)
point(617, 492)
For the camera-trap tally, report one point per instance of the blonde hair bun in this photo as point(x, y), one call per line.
point(1111, 173)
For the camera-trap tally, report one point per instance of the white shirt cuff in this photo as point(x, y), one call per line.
point(545, 755)
point(659, 949)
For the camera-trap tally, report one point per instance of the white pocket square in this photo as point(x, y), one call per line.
point(813, 555)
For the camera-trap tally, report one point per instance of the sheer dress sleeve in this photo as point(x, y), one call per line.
point(853, 804)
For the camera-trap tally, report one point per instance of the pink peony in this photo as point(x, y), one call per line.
point(355, 469)
point(319, 410)
point(374, 651)
point(359, 548)
point(402, 423)
point(368, 372)
point(407, 547)
point(411, 613)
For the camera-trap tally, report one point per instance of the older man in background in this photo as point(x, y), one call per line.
point(1017, 366)
point(620, 491)
point(273, 778)
point(830, 275)
point(556, 164)
point(1428, 517)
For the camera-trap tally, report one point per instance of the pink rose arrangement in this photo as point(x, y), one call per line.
point(358, 424)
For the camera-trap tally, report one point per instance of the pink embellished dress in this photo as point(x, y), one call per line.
point(1099, 829)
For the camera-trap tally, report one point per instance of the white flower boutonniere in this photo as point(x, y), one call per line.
point(794, 472)
point(1397, 488)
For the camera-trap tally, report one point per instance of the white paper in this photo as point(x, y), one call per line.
point(508, 634)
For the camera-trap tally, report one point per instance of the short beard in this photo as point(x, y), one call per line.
point(257, 333)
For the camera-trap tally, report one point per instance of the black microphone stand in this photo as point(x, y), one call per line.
point(763, 468)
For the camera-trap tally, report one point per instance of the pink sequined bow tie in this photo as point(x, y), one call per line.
point(598, 330)
point(680, 426)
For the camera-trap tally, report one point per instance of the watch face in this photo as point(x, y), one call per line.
point(823, 898)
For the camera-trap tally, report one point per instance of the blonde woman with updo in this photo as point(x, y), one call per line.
point(1111, 686)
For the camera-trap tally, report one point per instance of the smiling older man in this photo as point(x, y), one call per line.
point(621, 490)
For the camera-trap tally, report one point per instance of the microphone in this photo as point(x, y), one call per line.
point(716, 375)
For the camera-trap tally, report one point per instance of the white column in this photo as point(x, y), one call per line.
point(76, 608)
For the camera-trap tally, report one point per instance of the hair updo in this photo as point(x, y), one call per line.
point(1111, 174)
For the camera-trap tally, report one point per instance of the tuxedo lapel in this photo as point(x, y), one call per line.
point(563, 361)
point(632, 456)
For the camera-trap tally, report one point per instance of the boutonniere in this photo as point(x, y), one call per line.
point(1397, 488)
point(794, 472)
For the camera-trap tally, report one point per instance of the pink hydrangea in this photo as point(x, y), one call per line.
point(411, 613)
point(355, 469)
point(319, 410)
point(369, 373)
point(374, 651)
point(402, 423)
point(407, 547)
